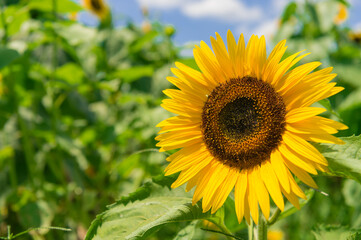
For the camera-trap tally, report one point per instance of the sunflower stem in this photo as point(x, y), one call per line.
point(223, 228)
point(261, 228)
point(4, 23)
point(251, 231)
point(274, 217)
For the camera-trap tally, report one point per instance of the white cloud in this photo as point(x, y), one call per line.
point(160, 4)
point(225, 10)
point(267, 28)
point(357, 26)
point(279, 5)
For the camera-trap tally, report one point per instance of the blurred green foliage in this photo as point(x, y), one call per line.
point(77, 103)
point(78, 109)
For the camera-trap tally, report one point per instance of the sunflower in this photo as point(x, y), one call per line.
point(97, 7)
point(342, 14)
point(245, 122)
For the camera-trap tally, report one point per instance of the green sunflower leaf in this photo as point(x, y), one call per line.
point(7, 56)
point(145, 211)
point(336, 232)
point(344, 160)
point(187, 232)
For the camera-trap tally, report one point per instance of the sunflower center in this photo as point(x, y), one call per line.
point(238, 118)
point(96, 4)
point(243, 121)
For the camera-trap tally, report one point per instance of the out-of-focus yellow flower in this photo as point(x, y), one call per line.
point(1, 85)
point(355, 37)
point(275, 235)
point(73, 16)
point(342, 14)
point(97, 7)
point(169, 30)
point(146, 26)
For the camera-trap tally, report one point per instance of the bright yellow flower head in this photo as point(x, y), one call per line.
point(97, 7)
point(244, 122)
point(342, 14)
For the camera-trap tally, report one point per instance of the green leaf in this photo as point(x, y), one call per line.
point(350, 112)
point(336, 232)
point(344, 160)
point(137, 45)
point(187, 232)
point(15, 17)
point(37, 214)
point(70, 73)
point(148, 209)
point(327, 104)
point(326, 11)
point(7, 55)
point(134, 73)
point(66, 6)
point(352, 193)
point(349, 73)
point(289, 11)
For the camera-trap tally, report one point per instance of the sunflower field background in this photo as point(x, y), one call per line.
point(78, 110)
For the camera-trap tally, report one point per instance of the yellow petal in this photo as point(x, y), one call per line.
point(261, 192)
point(296, 159)
point(224, 189)
point(252, 197)
point(184, 176)
point(280, 170)
point(302, 175)
point(240, 195)
point(304, 148)
point(271, 182)
point(216, 179)
point(186, 161)
point(298, 114)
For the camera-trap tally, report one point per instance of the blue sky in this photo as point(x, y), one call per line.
point(197, 20)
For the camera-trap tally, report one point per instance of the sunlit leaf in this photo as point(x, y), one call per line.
point(149, 208)
point(187, 232)
point(344, 160)
point(65, 6)
point(135, 73)
point(336, 232)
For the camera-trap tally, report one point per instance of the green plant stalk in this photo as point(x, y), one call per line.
point(28, 149)
point(274, 217)
point(13, 178)
point(261, 228)
point(222, 227)
point(9, 232)
point(27, 143)
point(3, 20)
point(54, 66)
point(55, 45)
point(250, 231)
